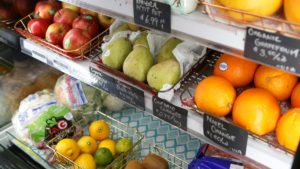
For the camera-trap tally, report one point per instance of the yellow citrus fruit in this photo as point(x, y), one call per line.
point(68, 148)
point(99, 130)
point(86, 161)
point(258, 7)
point(87, 144)
point(110, 144)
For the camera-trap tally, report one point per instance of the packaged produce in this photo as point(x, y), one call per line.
point(39, 117)
point(27, 77)
point(81, 97)
point(183, 6)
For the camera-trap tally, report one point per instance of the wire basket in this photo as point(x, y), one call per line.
point(206, 69)
point(174, 162)
point(76, 54)
point(276, 23)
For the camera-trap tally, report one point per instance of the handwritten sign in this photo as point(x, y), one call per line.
point(152, 14)
point(225, 134)
point(273, 49)
point(118, 88)
point(170, 113)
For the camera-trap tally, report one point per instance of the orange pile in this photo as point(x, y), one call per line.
point(255, 109)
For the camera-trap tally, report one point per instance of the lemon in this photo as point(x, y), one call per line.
point(258, 7)
point(99, 130)
point(87, 144)
point(86, 161)
point(110, 144)
point(68, 148)
point(123, 145)
point(103, 156)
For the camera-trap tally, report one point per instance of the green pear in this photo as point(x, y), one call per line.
point(142, 40)
point(165, 52)
point(167, 72)
point(138, 63)
point(123, 27)
point(117, 52)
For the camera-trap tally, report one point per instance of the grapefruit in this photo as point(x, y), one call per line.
point(295, 97)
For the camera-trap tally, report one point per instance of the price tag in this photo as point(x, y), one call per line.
point(170, 113)
point(152, 14)
point(225, 134)
point(118, 88)
point(273, 49)
point(39, 57)
point(102, 80)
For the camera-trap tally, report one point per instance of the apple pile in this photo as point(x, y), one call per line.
point(66, 26)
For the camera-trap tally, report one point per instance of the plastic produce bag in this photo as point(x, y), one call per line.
point(38, 113)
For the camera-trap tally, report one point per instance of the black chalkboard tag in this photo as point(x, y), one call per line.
point(225, 134)
point(118, 88)
point(273, 49)
point(102, 81)
point(152, 14)
point(170, 113)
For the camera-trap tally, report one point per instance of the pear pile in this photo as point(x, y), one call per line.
point(136, 61)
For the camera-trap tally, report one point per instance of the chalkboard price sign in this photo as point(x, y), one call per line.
point(170, 113)
point(152, 14)
point(273, 49)
point(225, 134)
point(118, 89)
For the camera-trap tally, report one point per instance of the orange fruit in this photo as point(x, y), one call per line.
point(99, 130)
point(295, 97)
point(256, 110)
point(87, 144)
point(215, 95)
point(239, 72)
point(276, 81)
point(288, 129)
point(258, 7)
point(291, 11)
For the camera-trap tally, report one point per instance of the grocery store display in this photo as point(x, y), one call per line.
point(239, 72)
point(215, 95)
point(68, 148)
point(86, 161)
point(109, 144)
point(295, 102)
point(15, 8)
point(288, 129)
point(105, 21)
point(165, 52)
point(87, 144)
point(87, 23)
point(99, 130)
point(276, 81)
point(84, 11)
point(256, 110)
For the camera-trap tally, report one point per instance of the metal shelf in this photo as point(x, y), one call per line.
point(256, 150)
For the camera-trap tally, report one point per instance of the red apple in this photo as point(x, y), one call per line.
point(76, 38)
point(65, 16)
point(56, 33)
point(105, 21)
point(83, 11)
point(46, 9)
point(87, 23)
point(38, 26)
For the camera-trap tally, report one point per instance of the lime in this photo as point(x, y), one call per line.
point(103, 156)
point(123, 145)
point(101, 167)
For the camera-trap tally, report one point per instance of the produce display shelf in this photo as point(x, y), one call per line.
point(256, 149)
point(194, 26)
